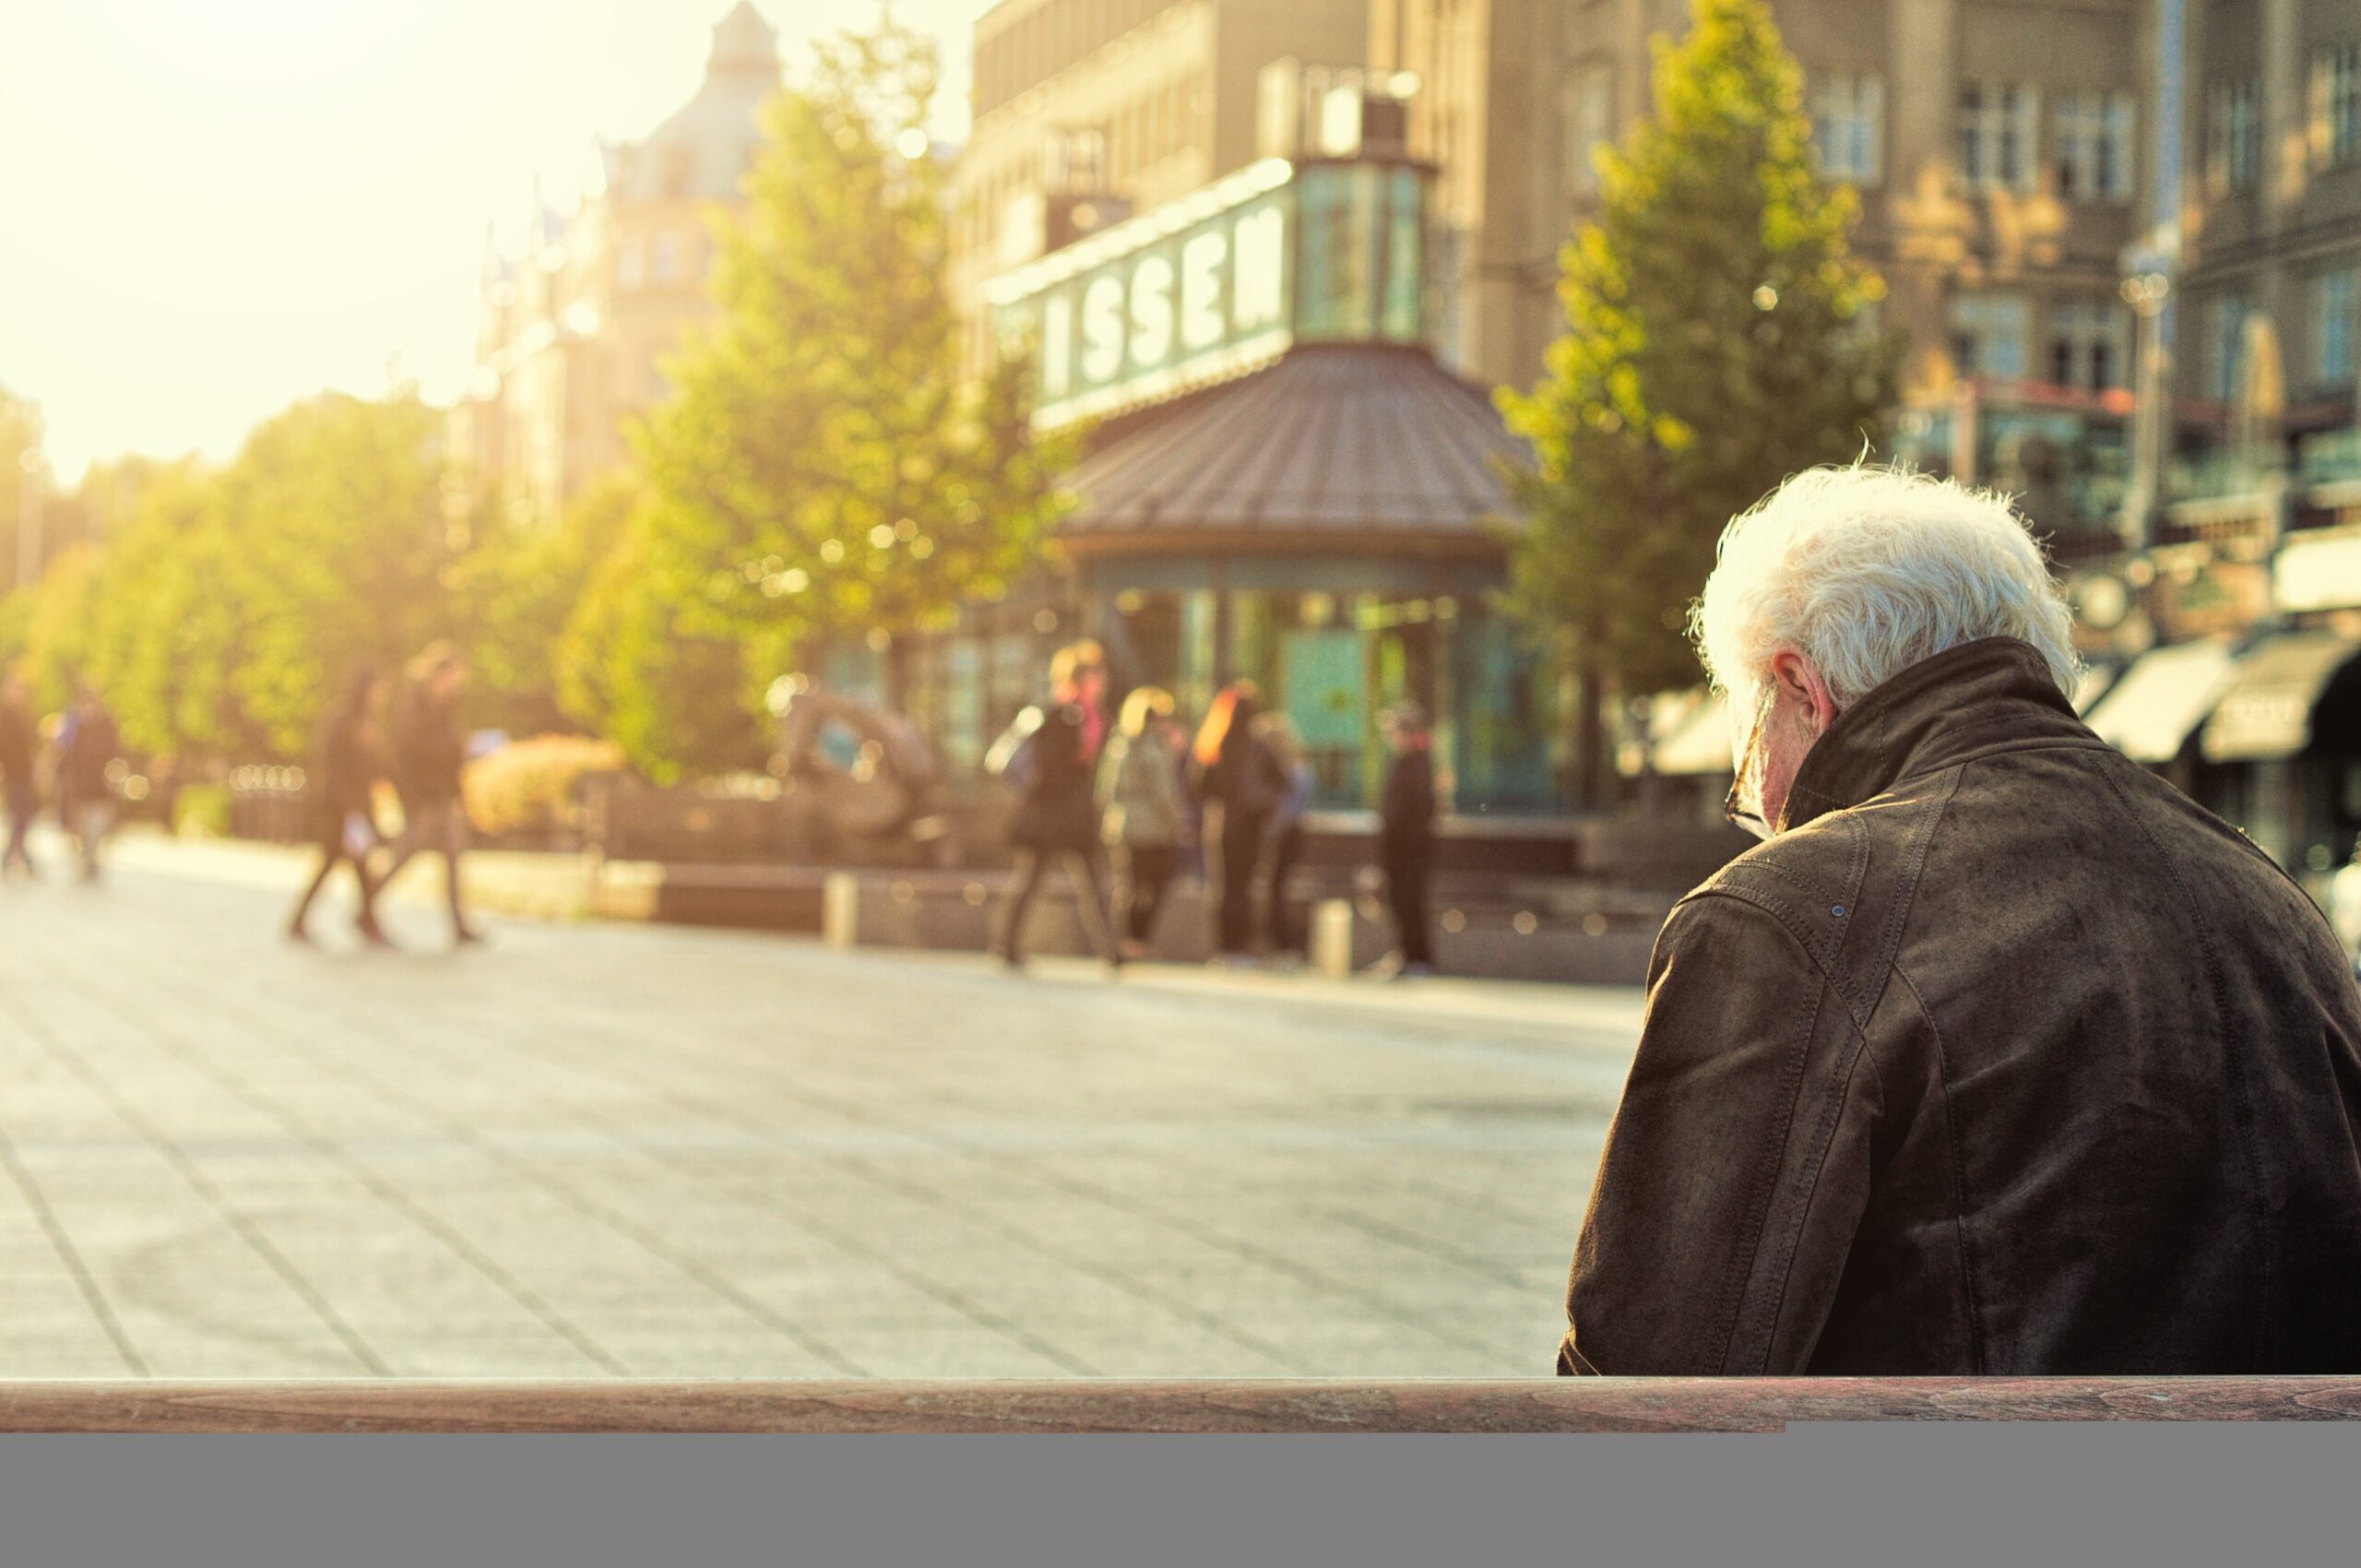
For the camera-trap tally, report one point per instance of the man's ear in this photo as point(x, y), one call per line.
point(1799, 683)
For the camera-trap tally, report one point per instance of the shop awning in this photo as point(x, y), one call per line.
point(2149, 714)
point(1348, 443)
point(2267, 710)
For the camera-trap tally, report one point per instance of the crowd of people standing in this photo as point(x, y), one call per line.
point(1149, 800)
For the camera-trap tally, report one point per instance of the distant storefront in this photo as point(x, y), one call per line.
point(1282, 485)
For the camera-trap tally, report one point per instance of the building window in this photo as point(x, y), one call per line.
point(1590, 120)
point(631, 264)
point(667, 258)
point(2333, 324)
point(1848, 126)
point(1989, 334)
point(2086, 345)
point(2336, 104)
point(2095, 146)
point(2233, 137)
point(2225, 346)
point(1998, 123)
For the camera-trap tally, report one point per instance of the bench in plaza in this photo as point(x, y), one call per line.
point(1091, 1405)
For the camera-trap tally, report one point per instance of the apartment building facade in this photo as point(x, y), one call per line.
point(1086, 111)
point(574, 321)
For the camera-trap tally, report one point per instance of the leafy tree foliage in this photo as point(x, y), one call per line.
point(515, 590)
point(823, 468)
point(1715, 342)
point(218, 617)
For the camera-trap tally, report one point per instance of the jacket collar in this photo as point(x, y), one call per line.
point(1995, 691)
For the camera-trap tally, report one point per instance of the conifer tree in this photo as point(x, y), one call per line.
point(1714, 342)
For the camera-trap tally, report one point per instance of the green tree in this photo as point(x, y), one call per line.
point(631, 667)
point(516, 589)
point(822, 469)
point(1715, 342)
point(226, 605)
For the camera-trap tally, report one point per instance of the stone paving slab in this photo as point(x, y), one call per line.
point(626, 1150)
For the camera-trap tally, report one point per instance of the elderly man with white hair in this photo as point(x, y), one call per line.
point(2000, 1055)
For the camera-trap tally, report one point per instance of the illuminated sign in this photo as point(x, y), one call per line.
point(1213, 284)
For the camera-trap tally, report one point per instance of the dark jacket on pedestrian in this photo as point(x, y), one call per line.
point(2003, 1056)
point(88, 742)
point(1406, 811)
point(344, 767)
point(1057, 810)
point(429, 749)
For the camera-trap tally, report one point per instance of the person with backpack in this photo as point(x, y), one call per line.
point(1047, 755)
point(1142, 808)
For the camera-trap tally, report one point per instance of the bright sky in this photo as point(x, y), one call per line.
point(212, 208)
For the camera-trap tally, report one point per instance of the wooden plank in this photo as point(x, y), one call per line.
point(1087, 1406)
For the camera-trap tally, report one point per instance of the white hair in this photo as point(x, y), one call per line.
point(1866, 570)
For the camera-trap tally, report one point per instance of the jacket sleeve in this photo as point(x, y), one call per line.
point(1737, 1168)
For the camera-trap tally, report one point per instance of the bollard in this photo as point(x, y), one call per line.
point(1332, 937)
point(839, 908)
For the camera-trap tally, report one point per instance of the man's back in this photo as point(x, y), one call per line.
point(2024, 1063)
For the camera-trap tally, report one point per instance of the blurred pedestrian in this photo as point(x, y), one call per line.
point(343, 774)
point(1239, 784)
point(1047, 755)
point(428, 749)
point(1144, 806)
point(87, 743)
point(1405, 834)
point(1283, 836)
point(19, 749)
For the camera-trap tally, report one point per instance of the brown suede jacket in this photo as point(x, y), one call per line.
point(2002, 1057)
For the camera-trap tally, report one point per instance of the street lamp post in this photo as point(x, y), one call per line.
point(2146, 289)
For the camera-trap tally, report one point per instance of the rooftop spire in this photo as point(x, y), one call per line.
point(743, 44)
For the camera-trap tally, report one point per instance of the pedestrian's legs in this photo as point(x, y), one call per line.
point(91, 819)
point(1027, 879)
point(1286, 929)
point(330, 854)
point(1405, 891)
point(453, 838)
point(1146, 874)
point(1090, 902)
point(1242, 853)
point(21, 803)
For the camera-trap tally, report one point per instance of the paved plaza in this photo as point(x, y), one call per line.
point(608, 1150)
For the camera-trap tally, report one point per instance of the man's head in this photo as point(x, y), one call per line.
point(1841, 579)
point(1404, 726)
point(1079, 672)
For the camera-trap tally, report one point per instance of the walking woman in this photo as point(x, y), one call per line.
point(1140, 799)
point(1239, 784)
point(344, 767)
point(1048, 754)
